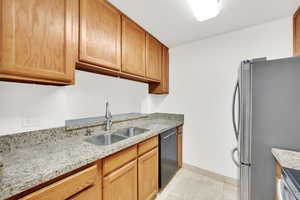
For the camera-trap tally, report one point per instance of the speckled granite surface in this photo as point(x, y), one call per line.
point(36, 157)
point(286, 158)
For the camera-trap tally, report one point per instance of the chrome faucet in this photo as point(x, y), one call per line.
point(108, 117)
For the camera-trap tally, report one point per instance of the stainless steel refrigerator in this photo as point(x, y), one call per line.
point(266, 114)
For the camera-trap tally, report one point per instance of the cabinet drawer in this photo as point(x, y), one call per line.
point(148, 145)
point(68, 187)
point(91, 193)
point(117, 160)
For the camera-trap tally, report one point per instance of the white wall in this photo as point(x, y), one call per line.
point(49, 106)
point(202, 76)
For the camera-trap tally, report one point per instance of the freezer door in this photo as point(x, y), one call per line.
point(245, 182)
point(245, 110)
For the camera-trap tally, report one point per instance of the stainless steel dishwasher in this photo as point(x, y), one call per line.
point(167, 156)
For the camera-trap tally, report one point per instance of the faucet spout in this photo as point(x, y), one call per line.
point(108, 117)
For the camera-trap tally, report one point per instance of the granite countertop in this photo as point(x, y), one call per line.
point(287, 158)
point(28, 165)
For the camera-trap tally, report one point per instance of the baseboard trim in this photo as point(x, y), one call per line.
point(212, 175)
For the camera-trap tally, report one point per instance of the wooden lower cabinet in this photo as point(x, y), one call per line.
point(122, 183)
point(130, 174)
point(84, 185)
point(277, 177)
point(148, 175)
point(91, 193)
point(179, 147)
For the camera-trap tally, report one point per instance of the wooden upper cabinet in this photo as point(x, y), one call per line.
point(163, 86)
point(297, 33)
point(100, 34)
point(133, 48)
point(153, 58)
point(38, 40)
point(179, 147)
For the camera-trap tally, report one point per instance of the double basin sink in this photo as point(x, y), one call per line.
point(116, 136)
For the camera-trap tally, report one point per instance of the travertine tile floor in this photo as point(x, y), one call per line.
point(188, 185)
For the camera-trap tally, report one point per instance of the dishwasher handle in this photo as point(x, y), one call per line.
point(166, 137)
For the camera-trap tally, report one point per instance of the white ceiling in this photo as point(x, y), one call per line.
point(173, 23)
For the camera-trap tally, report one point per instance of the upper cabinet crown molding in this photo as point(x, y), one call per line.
point(133, 48)
point(297, 33)
point(38, 41)
point(100, 34)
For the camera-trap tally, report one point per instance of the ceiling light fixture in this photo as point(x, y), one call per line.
point(205, 9)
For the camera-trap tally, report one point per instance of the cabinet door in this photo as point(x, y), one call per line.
point(38, 40)
point(163, 86)
point(153, 58)
point(100, 34)
point(122, 183)
point(297, 33)
point(133, 48)
point(148, 175)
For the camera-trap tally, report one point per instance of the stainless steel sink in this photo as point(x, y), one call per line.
point(130, 132)
point(116, 136)
point(103, 140)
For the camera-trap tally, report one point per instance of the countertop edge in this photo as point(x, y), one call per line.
point(287, 158)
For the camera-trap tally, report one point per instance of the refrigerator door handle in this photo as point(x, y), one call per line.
point(236, 126)
point(233, 156)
